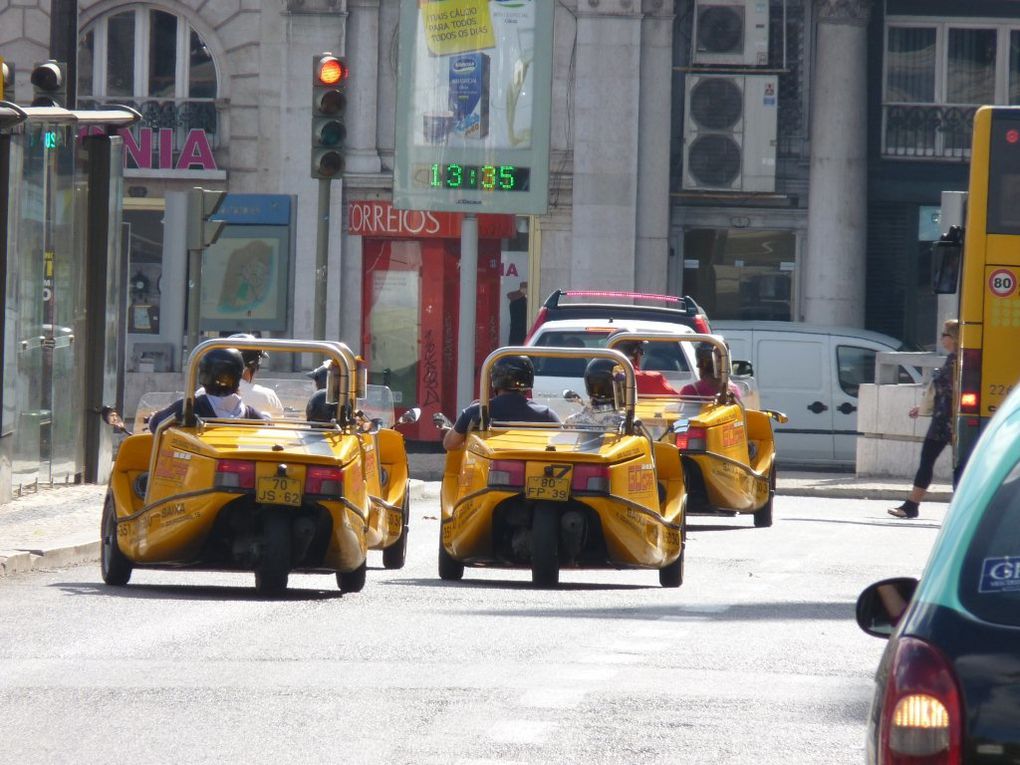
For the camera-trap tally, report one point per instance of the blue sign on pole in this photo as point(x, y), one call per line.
point(255, 210)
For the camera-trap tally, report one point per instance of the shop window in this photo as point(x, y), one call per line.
point(740, 273)
point(145, 268)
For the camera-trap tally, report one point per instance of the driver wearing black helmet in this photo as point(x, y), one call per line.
point(600, 412)
point(511, 377)
point(219, 372)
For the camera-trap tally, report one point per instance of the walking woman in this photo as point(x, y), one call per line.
point(940, 432)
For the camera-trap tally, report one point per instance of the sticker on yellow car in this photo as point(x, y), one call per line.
point(548, 482)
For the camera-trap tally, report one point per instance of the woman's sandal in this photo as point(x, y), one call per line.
point(902, 512)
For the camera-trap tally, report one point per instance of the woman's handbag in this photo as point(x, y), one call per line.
point(927, 406)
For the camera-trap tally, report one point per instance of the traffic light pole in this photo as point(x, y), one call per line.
point(321, 259)
point(468, 311)
point(64, 44)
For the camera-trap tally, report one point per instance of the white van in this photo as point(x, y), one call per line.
point(811, 373)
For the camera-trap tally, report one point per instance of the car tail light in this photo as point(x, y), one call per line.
point(692, 439)
point(701, 324)
point(970, 381)
point(590, 478)
point(235, 474)
point(921, 722)
point(324, 481)
point(506, 473)
point(543, 315)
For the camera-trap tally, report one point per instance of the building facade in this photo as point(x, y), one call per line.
point(776, 159)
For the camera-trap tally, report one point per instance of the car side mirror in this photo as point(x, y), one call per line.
point(882, 604)
point(410, 416)
point(945, 262)
point(112, 418)
point(572, 396)
point(742, 368)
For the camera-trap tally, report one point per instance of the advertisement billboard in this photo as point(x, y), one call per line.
point(473, 105)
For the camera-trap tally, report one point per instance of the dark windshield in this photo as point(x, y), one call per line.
point(990, 581)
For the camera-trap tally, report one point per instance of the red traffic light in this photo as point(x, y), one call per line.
point(331, 70)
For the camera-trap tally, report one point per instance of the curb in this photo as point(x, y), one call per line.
point(885, 493)
point(23, 561)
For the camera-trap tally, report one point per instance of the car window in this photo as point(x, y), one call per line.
point(990, 579)
point(856, 366)
point(567, 338)
point(665, 357)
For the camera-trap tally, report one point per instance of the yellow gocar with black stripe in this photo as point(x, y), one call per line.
point(547, 496)
point(728, 451)
point(273, 497)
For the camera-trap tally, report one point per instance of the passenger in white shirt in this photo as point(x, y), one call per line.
point(257, 396)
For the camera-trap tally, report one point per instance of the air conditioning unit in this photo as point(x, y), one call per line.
point(731, 32)
point(730, 132)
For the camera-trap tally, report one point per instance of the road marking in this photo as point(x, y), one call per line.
point(552, 698)
point(520, 731)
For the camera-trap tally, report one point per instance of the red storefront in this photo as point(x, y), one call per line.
point(410, 297)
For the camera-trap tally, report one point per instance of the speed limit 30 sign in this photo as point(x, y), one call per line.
point(1002, 282)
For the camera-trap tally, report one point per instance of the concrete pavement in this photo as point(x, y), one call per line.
point(60, 526)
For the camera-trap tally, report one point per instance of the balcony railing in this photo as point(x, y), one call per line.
point(180, 115)
point(921, 131)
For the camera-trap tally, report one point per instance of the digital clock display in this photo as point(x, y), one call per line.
point(454, 176)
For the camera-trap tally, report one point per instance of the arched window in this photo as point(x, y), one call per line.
point(152, 60)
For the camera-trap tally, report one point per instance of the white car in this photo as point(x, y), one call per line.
point(552, 376)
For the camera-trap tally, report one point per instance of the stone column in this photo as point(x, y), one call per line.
point(361, 48)
point(606, 129)
point(656, 80)
point(835, 257)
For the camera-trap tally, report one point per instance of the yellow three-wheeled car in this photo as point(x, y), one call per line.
point(265, 496)
point(547, 496)
point(728, 451)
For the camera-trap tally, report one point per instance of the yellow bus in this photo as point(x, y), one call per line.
point(988, 359)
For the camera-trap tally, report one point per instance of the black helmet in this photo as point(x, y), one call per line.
point(513, 373)
point(317, 410)
point(252, 358)
point(319, 375)
point(598, 380)
point(220, 371)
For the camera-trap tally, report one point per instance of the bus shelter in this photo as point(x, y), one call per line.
point(61, 305)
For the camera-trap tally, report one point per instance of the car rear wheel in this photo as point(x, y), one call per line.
point(545, 546)
point(763, 518)
point(352, 581)
point(673, 574)
point(450, 570)
point(115, 566)
point(273, 567)
point(394, 556)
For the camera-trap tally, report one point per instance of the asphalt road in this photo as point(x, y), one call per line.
point(756, 659)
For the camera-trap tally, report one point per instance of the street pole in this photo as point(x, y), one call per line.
point(466, 329)
point(321, 260)
point(64, 44)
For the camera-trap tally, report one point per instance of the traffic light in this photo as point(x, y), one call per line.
point(329, 100)
point(49, 84)
point(6, 80)
point(202, 205)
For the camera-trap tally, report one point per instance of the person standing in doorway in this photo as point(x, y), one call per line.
point(518, 307)
point(940, 431)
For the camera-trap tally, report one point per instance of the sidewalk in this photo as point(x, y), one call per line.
point(60, 527)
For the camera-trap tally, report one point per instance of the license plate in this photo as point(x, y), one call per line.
point(548, 482)
point(278, 490)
